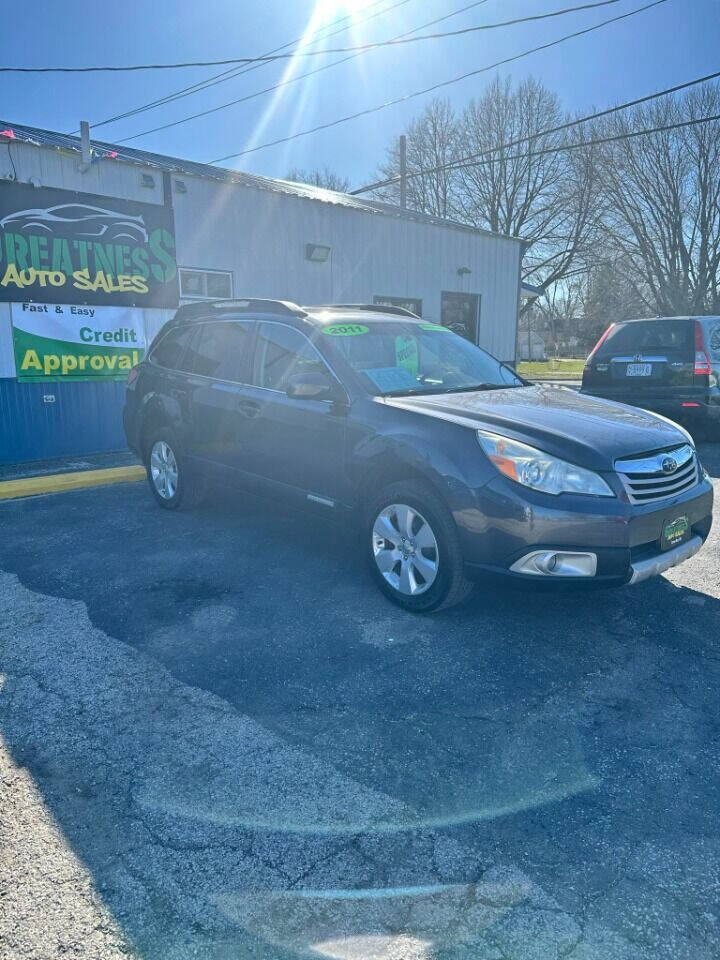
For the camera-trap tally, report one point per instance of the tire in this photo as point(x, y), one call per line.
point(425, 572)
point(172, 484)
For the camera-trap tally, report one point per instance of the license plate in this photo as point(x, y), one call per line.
point(639, 370)
point(674, 532)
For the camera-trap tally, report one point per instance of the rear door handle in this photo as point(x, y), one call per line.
point(248, 408)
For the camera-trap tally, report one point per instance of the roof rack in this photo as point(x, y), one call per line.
point(283, 308)
point(365, 307)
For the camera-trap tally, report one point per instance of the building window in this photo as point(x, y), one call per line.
point(461, 313)
point(407, 303)
point(205, 284)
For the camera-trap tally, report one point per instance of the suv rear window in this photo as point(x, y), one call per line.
point(221, 351)
point(660, 337)
point(169, 351)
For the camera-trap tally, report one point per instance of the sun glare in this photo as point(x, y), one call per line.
point(329, 9)
point(323, 14)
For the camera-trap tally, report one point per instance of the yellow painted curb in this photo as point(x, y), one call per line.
point(58, 482)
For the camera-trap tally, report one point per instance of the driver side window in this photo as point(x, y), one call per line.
point(281, 353)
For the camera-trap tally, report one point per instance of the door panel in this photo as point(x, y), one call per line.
point(297, 442)
point(218, 362)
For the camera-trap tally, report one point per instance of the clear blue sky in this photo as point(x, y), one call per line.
point(675, 41)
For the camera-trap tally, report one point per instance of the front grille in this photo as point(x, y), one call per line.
point(645, 480)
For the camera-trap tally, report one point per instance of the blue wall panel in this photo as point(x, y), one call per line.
point(84, 418)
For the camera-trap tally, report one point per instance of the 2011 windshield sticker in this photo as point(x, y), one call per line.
point(346, 329)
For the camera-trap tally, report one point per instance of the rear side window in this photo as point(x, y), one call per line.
point(674, 338)
point(221, 351)
point(282, 352)
point(169, 351)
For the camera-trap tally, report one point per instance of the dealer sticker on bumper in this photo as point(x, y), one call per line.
point(675, 532)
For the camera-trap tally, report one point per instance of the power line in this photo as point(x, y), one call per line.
point(284, 83)
point(270, 58)
point(629, 135)
point(462, 162)
point(438, 86)
point(236, 72)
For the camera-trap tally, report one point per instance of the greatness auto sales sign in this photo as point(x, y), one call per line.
point(57, 246)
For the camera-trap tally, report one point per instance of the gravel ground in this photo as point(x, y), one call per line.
point(218, 741)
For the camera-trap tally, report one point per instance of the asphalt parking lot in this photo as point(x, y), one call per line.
point(218, 741)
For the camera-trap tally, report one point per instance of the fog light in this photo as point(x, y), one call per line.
point(557, 563)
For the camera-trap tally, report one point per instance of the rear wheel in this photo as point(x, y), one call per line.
point(172, 483)
point(414, 548)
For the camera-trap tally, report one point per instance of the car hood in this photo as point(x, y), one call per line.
point(585, 430)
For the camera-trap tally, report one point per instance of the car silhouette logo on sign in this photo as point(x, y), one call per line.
point(79, 220)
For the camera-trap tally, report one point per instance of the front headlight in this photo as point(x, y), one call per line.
point(537, 469)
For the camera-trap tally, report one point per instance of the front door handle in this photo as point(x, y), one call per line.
point(248, 408)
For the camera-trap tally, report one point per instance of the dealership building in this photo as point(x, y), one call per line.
point(99, 244)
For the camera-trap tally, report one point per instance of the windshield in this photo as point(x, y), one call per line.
point(402, 358)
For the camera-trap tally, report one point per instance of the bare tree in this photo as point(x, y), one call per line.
point(545, 195)
point(663, 202)
point(432, 141)
point(608, 294)
point(325, 178)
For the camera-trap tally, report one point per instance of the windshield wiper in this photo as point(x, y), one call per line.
point(477, 386)
point(419, 391)
point(412, 391)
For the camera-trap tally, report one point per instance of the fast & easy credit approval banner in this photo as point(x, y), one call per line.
point(58, 246)
point(55, 341)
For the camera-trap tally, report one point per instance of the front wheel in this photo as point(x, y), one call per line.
point(414, 548)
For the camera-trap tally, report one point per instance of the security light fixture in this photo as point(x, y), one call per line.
point(147, 180)
point(463, 271)
point(180, 186)
point(316, 252)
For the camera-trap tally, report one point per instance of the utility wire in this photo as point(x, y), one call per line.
point(438, 86)
point(285, 83)
point(462, 162)
point(629, 135)
point(269, 58)
point(236, 72)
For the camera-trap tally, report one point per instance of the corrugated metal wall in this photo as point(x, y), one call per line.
point(261, 236)
point(81, 418)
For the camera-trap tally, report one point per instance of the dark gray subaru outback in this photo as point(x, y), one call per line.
point(455, 466)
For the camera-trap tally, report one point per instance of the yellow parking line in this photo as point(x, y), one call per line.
point(59, 482)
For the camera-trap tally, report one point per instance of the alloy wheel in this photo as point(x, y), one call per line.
point(405, 549)
point(164, 469)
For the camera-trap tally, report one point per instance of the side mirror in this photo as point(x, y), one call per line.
point(311, 386)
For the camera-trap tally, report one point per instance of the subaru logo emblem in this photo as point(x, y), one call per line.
point(669, 465)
